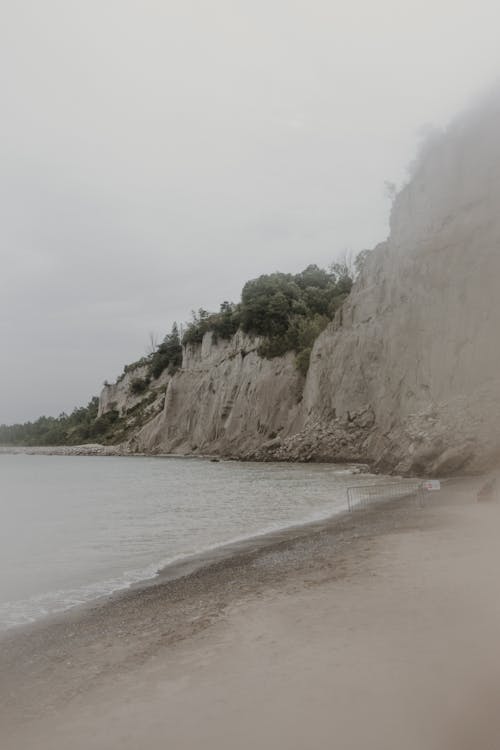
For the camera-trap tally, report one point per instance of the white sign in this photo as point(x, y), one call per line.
point(432, 485)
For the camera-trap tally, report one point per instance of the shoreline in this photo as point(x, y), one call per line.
point(353, 627)
point(166, 564)
point(99, 450)
point(50, 662)
point(185, 565)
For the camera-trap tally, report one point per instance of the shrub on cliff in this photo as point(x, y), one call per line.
point(290, 311)
point(138, 385)
point(223, 324)
point(287, 311)
point(167, 355)
point(274, 306)
point(131, 367)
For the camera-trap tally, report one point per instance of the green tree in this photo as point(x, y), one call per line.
point(168, 354)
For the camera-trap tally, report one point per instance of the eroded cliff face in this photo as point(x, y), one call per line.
point(225, 400)
point(120, 395)
point(408, 375)
point(133, 409)
point(418, 343)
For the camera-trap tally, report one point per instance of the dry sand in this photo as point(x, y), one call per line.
point(380, 630)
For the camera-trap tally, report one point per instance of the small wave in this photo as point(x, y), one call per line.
point(26, 611)
point(132, 520)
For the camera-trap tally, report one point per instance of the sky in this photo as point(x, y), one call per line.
point(155, 155)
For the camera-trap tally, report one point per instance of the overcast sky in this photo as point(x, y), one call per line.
point(156, 154)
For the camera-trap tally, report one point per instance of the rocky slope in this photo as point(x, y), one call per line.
point(408, 375)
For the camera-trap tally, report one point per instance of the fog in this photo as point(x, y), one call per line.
point(156, 155)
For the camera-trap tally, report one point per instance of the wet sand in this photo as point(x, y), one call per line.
point(378, 629)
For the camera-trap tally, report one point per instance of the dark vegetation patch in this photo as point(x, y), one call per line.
point(287, 311)
point(81, 426)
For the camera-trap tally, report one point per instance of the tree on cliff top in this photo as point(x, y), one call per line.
point(167, 355)
point(288, 311)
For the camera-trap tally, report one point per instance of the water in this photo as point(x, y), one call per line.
point(76, 528)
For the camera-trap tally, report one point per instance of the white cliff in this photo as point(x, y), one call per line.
point(134, 408)
point(408, 375)
point(418, 343)
point(225, 399)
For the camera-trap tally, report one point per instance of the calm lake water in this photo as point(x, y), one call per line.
point(76, 528)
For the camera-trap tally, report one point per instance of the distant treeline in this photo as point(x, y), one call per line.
point(81, 426)
point(287, 311)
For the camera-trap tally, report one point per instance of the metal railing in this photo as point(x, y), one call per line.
point(362, 496)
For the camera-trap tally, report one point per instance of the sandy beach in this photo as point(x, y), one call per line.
point(378, 629)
